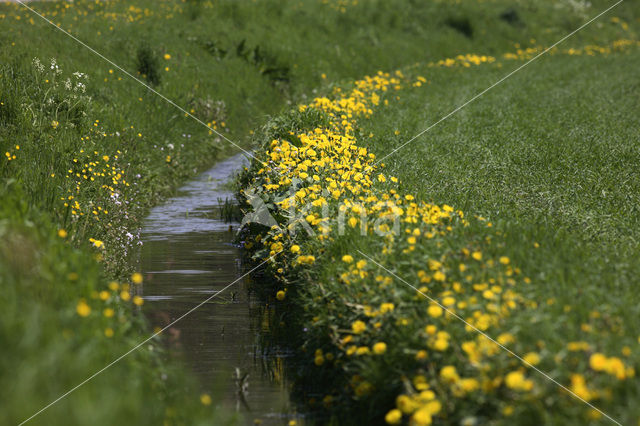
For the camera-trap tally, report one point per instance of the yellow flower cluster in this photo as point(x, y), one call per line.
point(527, 53)
point(464, 61)
point(323, 178)
point(95, 167)
point(325, 167)
point(11, 156)
point(340, 5)
point(613, 366)
point(106, 11)
point(589, 50)
point(109, 301)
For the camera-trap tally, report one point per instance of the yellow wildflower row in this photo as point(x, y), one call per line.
point(329, 193)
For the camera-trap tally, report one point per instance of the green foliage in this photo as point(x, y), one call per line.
point(543, 166)
point(232, 65)
point(148, 64)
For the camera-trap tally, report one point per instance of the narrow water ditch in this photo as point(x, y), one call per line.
point(189, 254)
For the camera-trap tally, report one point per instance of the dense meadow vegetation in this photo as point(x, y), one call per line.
point(549, 159)
point(453, 281)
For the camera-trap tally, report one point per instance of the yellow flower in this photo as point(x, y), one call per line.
point(295, 248)
point(420, 383)
point(386, 307)
point(167, 56)
point(358, 327)
point(62, 233)
point(449, 374)
point(434, 311)
point(280, 295)
point(379, 348)
point(108, 332)
point(138, 301)
point(505, 338)
point(504, 260)
point(441, 345)
point(577, 346)
point(306, 259)
point(319, 360)
point(393, 417)
point(108, 312)
point(616, 367)
point(427, 395)
point(136, 278)
point(434, 406)
point(579, 387)
point(516, 380)
point(422, 417)
point(405, 404)
point(598, 361)
point(124, 295)
point(83, 309)
point(346, 339)
point(532, 358)
point(477, 255)
point(96, 243)
point(347, 258)
point(469, 384)
point(448, 301)
point(205, 399)
point(363, 350)
point(488, 294)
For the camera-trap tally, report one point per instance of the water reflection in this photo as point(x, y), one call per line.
point(187, 256)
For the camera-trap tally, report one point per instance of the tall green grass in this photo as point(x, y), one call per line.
point(231, 65)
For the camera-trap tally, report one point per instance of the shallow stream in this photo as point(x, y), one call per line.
point(188, 255)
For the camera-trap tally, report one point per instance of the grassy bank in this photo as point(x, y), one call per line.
point(515, 218)
point(85, 151)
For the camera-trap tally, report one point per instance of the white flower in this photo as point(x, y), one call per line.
point(38, 65)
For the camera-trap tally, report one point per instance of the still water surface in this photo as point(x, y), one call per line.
point(188, 255)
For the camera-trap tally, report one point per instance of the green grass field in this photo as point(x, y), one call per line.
point(549, 158)
point(546, 167)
